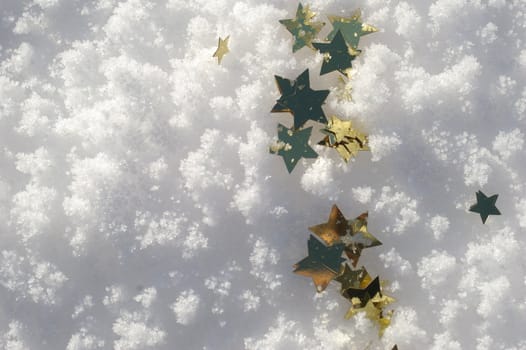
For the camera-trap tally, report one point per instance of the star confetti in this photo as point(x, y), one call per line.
point(222, 49)
point(374, 310)
point(299, 99)
point(485, 206)
point(302, 27)
point(322, 264)
point(347, 140)
point(350, 278)
point(360, 239)
point(351, 28)
point(363, 294)
point(293, 145)
point(337, 55)
point(336, 227)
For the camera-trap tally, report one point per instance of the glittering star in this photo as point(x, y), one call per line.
point(374, 310)
point(359, 239)
point(299, 99)
point(364, 294)
point(347, 140)
point(352, 278)
point(322, 264)
point(222, 49)
point(351, 28)
point(337, 55)
point(485, 206)
point(302, 28)
point(336, 227)
point(293, 145)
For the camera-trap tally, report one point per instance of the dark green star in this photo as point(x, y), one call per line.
point(350, 278)
point(299, 99)
point(352, 28)
point(485, 206)
point(322, 264)
point(302, 28)
point(364, 294)
point(338, 56)
point(293, 145)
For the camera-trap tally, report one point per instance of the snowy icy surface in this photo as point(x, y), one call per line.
point(140, 208)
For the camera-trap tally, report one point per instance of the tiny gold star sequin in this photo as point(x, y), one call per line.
point(222, 49)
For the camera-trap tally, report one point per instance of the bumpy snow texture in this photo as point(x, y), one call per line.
point(140, 208)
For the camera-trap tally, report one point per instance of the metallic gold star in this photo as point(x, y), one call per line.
point(359, 239)
point(374, 310)
point(302, 28)
point(347, 140)
point(336, 227)
point(222, 49)
point(352, 278)
point(352, 28)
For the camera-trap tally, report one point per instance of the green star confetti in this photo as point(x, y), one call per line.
point(351, 28)
point(292, 146)
point(485, 206)
point(302, 28)
point(337, 55)
point(299, 99)
point(322, 264)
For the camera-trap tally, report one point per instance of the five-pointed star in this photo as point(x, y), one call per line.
point(299, 99)
point(352, 28)
point(352, 278)
point(293, 145)
point(364, 294)
point(360, 239)
point(337, 55)
point(344, 138)
point(302, 28)
point(485, 206)
point(336, 227)
point(322, 264)
point(374, 311)
point(222, 49)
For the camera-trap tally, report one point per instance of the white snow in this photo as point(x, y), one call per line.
point(140, 207)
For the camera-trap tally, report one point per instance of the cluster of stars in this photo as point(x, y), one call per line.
point(304, 103)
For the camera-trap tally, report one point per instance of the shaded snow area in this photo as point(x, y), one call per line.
point(140, 207)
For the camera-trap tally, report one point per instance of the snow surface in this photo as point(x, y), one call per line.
point(140, 208)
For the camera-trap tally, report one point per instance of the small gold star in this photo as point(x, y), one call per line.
point(222, 49)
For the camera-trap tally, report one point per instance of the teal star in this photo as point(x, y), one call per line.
point(352, 28)
point(302, 28)
point(293, 145)
point(299, 99)
point(485, 206)
point(322, 264)
point(338, 56)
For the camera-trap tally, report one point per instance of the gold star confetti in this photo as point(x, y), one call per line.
point(360, 239)
point(336, 227)
point(374, 310)
point(222, 49)
point(344, 138)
